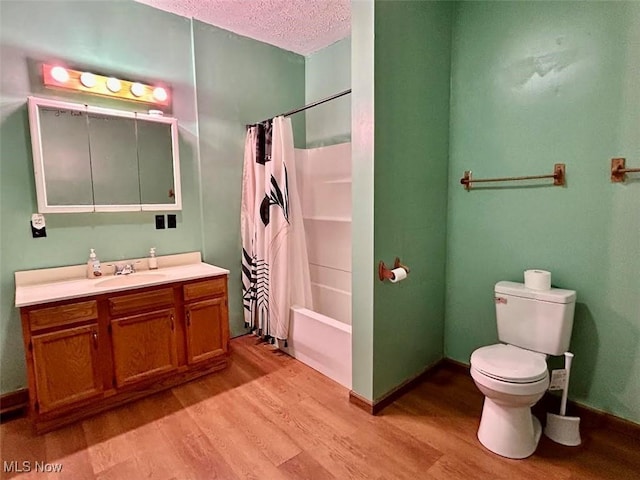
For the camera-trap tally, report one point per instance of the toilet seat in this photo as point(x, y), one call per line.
point(510, 364)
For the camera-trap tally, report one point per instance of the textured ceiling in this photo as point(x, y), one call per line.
point(301, 26)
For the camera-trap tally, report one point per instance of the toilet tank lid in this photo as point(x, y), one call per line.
point(554, 295)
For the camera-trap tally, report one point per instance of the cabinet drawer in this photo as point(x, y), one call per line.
point(138, 302)
point(208, 288)
point(62, 315)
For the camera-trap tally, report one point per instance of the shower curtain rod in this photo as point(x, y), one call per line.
point(311, 105)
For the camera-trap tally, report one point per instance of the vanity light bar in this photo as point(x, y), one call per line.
point(61, 77)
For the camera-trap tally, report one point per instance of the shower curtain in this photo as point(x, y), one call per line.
point(275, 267)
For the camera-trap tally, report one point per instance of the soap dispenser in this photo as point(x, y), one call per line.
point(93, 265)
point(153, 261)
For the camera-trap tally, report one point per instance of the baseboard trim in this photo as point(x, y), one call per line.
point(456, 366)
point(14, 404)
point(590, 418)
point(374, 407)
point(361, 402)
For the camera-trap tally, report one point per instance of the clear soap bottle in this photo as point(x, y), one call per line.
point(153, 261)
point(93, 265)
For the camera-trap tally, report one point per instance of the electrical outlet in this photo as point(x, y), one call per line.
point(38, 229)
point(558, 379)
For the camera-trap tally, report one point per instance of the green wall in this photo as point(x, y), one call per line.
point(410, 199)
point(362, 175)
point(121, 38)
point(239, 81)
point(327, 72)
point(532, 84)
point(400, 68)
point(535, 84)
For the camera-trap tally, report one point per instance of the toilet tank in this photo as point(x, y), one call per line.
point(536, 320)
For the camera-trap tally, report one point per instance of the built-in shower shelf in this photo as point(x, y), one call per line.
point(339, 180)
point(328, 219)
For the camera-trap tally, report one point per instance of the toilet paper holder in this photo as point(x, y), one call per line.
point(386, 273)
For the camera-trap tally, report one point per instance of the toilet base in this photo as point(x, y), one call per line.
point(511, 432)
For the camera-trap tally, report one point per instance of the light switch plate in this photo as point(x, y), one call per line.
point(159, 222)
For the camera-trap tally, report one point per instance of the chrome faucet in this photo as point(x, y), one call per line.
point(124, 268)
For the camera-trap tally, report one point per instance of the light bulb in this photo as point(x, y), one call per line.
point(114, 84)
point(60, 74)
point(160, 94)
point(88, 79)
point(137, 89)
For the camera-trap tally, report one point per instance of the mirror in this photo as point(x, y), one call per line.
point(64, 157)
point(96, 159)
point(155, 163)
point(114, 160)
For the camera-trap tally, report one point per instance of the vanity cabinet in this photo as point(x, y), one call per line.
point(65, 356)
point(205, 311)
point(144, 344)
point(90, 354)
point(67, 367)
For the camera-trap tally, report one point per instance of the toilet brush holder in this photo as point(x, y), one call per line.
point(563, 430)
point(560, 428)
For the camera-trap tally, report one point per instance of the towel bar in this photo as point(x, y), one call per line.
point(619, 171)
point(558, 176)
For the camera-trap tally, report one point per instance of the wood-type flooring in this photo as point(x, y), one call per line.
point(269, 417)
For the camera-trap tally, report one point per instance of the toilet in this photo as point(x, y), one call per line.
point(513, 375)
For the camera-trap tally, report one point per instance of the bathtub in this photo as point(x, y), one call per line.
point(322, 343)
point(321, 338)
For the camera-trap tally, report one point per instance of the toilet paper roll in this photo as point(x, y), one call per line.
point(399, 274)
point(537, 279)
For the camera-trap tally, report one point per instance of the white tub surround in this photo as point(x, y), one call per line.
point(322, 343)
point(322, 338)
point(324, 180)
point(34, 287)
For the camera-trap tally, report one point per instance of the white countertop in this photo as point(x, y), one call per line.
point(54, 284)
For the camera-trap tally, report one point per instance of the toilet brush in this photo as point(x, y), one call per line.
point(560, 428)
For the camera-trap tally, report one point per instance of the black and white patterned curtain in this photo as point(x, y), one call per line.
point(271, 222)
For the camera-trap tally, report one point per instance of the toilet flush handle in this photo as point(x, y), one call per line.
point(501, 300)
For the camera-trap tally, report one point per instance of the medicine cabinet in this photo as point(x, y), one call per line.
point(93, 159)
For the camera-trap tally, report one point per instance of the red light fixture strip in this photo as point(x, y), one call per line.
point(61, 77)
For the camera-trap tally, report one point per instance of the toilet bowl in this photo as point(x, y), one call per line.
point(513, 380)
point(513, 375)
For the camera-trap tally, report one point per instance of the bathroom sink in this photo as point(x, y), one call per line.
point(130, 280)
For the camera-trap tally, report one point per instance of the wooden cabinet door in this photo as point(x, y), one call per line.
point(67, 367)
point(144, 346)
point(207, 329)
